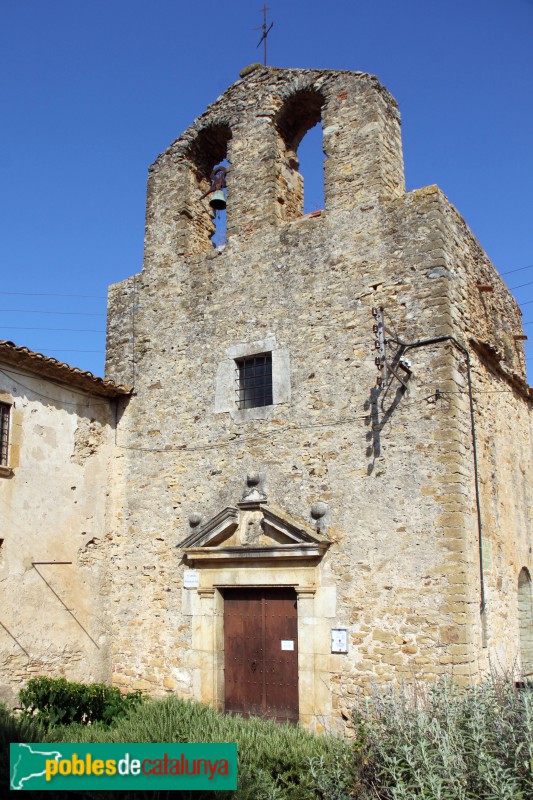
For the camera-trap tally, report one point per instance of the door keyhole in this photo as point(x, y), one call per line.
point(253, 666)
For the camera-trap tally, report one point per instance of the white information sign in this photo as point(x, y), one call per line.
point(191, 579)
point(339, 640)
point(287, 644)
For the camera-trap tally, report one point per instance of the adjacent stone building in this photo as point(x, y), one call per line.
point(323, 476)
point(56, 459)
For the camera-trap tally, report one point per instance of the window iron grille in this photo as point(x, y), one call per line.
point(4, 432)
point(254, 381)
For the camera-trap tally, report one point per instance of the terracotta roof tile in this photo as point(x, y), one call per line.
point(49, 367)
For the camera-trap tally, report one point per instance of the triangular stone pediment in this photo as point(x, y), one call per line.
point(257, 530)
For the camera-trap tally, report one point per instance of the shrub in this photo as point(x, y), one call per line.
point(474, 743)
point(56, 701)
point(13, 729)
point(276, 762)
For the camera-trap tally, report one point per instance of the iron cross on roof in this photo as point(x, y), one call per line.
point(266, 30)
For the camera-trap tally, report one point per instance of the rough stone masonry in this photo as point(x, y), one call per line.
point(369, 501)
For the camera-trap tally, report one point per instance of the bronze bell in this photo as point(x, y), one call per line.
point(218, 201)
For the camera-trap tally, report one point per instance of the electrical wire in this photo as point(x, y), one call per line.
point(36, 311)
point(104, 297)
point(480, 391)
point(518, 269)
point(369, 417)
point(71, 330)
point(521, 286)
point(14, 375)
point(53, 349)
point(258, 437)
point(103, 313)
point(51, 294)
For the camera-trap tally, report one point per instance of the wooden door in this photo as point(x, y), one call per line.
point(261, 652)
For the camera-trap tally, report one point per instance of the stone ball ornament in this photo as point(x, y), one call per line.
point(319, 510)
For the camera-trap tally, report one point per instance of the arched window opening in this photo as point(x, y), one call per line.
point(218, 203)
point(311, 157)
point(525, 623)
point(301, 117)
point(209, 152)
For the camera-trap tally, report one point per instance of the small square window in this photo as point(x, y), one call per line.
point(254, 381)
point(4, 432)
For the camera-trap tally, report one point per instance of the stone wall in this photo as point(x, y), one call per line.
point(395, 466)
point(54, 500)
point(488, 321)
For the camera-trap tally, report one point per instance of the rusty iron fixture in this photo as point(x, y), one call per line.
point(293, 160)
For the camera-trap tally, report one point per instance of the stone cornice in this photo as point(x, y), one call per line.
point(224, 522)
point(301, 552)
point(493, 359)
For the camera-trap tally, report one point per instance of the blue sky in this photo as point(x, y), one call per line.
point(91, 92)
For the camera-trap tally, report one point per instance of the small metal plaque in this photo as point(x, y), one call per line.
point(287, 644)
point(191, 579)
point(339, 640)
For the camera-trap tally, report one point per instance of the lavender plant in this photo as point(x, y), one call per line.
point(449, 743)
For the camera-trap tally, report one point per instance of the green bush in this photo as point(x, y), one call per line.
point(56, 701)
point(15, 730)
point(474, 743)
point(276, 762)
point(442, 743)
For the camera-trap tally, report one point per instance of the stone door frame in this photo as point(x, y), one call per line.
point(315, 614)
point(257, 545)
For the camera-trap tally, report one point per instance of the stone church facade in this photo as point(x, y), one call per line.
point(323, 475)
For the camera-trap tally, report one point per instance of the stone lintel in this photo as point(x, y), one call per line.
point(288, 551)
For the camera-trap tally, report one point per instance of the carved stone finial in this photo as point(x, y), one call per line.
point(318, 512)
point(195, 519)
point(253, 479)
point(254, 489)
